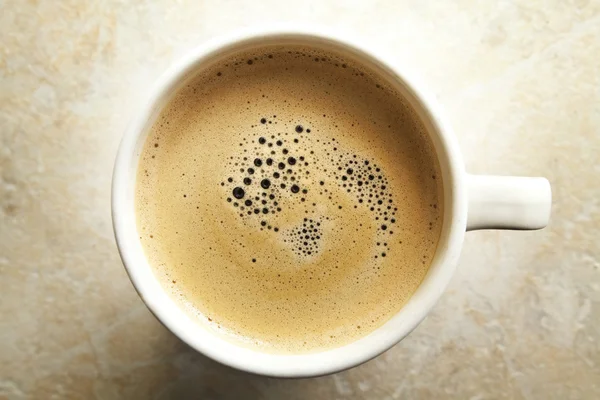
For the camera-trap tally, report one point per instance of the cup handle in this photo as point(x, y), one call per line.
point(508, 202)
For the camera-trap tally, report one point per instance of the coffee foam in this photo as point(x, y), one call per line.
point(289, 200)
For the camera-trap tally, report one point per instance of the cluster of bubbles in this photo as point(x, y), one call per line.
point(272, 168)
point(268, 177)
point(367, 184)
point(305, 239)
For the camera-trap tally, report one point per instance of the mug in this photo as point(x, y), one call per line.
point(470, 202)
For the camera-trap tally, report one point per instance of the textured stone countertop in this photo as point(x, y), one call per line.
point(521, 83)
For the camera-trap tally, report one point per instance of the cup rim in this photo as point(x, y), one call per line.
point(286, 365)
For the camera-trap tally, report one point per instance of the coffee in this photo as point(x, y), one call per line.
point(289, 199)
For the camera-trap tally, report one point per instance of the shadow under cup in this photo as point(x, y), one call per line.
point(251, 360)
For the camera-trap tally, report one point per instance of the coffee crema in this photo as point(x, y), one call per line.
point(289, 199)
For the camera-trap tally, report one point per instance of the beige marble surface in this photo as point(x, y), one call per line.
point(521, 83)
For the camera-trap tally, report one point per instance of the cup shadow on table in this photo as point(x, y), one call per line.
point(212, 380)
point(172, 370)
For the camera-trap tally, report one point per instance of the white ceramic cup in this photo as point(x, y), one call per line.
point(470, 202)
